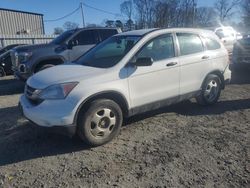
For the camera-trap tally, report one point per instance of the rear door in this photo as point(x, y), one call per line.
point(194, 62)
point(83, 41)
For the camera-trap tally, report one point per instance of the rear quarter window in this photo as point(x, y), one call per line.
point(212, 44)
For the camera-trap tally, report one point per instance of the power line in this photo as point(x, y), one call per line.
point(61, 18)
point(104, 11)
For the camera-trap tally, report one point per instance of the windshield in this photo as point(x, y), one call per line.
point(108, 53)
point(63, 37)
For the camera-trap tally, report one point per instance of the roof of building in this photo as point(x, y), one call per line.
point(25, 12)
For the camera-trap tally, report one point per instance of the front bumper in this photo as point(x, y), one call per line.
point(53, 114)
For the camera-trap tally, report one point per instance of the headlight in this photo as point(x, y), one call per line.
point(59, 91)
point(24, 56)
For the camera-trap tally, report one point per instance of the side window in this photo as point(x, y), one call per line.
point(212, 44)
point(159, 48)
point(86, 37)
point(106, 33)
point(189, 43)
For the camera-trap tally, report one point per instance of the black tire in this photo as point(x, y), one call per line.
point(212, 84)
point(45, 67)
point(100, 123)
point(2, 72)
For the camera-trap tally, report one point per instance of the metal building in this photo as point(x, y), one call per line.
point(13, 22)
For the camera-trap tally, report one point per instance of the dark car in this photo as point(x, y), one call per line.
point(69, 46)
point(241, 54)
point(5, 60)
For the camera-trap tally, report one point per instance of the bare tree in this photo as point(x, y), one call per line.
point(205, 16)
point(246, 12)
point(145, 13)
point(225, 8)
point(58, 31)
point(70, 25)
point(127, 9)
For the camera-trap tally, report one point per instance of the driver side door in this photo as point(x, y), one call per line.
point(156, 85)
point(82, 42)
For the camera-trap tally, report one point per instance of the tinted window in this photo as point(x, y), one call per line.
point(159, 48)
point(212, 44)
point(109, 52)
point(86, 37)
point(189, 43)
point(106, 33)
point(63, 37)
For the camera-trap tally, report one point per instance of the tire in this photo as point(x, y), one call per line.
point(100, 123)
point(45, 67)
point(2, 72)
point(211, 90)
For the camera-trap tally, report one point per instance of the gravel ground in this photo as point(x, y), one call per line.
point(184, 145)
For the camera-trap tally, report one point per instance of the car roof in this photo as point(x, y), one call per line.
point(143, 32)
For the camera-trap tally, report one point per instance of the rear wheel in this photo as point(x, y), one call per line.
point(100, 123)
point(211, 90)
point(2, 72)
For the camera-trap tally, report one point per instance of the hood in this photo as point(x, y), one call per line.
point(62, 74)
point(32, 47)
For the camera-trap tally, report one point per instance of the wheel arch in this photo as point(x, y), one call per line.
point(118, 97)
point(54, 60)
point(219, 74)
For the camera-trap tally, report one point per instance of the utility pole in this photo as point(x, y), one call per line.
point(83, 21)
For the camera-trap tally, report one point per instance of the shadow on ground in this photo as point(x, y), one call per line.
point(11, 86)
point(21, 141)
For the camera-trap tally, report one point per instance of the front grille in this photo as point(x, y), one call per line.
point(31, 94)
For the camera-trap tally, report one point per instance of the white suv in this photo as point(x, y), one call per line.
point(127, 74)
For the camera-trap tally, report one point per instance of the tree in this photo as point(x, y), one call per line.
point(109, 23)
point(70, 25)
point(225, 8)
point(246, 13)
point(145, 13)
point(127, 9)
point(58, 31)
point(205, 17)
point(119, 24)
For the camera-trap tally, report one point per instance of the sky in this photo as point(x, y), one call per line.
point(53, 9)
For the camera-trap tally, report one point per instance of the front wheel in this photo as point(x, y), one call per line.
point(211, 90)
point(100, 123)
point(45, 67)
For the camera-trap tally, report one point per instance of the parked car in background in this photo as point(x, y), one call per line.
point(68, 46)
point(228, 36)
point(241, 54)
point(128, 74)
point(5, 60)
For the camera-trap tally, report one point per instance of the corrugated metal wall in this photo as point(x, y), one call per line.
point(12, 22)
point(25, 39)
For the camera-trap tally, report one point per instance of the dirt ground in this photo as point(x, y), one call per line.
point(184, 145)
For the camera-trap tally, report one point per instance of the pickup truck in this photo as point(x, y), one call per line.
point(69, 46)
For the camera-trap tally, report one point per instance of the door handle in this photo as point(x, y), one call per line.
point(171, 64)
point(205, 57)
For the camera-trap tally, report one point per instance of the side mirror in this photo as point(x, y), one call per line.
point(143, 61)
point(72, 43)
